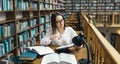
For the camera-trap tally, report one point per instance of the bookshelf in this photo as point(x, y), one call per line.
point(68, 8)
point(23, 23)
point(93, 7)
point(101, 10)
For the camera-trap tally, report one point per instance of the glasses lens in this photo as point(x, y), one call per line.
point(59, 21)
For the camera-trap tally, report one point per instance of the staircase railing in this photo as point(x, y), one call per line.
point(101, 50)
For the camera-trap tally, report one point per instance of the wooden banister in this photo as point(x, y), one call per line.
point(101, 50)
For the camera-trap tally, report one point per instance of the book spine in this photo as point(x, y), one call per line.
point(1, 32)
point(1, 5)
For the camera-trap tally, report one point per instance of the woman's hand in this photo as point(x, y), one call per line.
point(52, 37)
point(55, 36)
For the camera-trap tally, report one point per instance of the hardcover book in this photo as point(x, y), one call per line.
point(41, 50)
point(28, 55)
point(61, 58)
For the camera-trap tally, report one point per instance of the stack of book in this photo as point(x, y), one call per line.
point(32, 52)
point(28, 55)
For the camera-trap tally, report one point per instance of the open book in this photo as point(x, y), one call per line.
point(65, 46)
point(41, 50)
point(64, 49)
point(61, 58)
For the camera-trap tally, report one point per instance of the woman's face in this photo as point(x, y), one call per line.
point(59, 21)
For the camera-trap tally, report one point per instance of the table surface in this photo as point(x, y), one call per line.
point(81, 53)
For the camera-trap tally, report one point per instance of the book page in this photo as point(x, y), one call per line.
point(65, 46)
point(43, 50)
point(32, 47)
point(50, 59)
point(67, 58)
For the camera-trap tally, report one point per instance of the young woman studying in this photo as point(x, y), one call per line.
point(58, 34)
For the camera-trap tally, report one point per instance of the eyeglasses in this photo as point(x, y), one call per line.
point(59, 21)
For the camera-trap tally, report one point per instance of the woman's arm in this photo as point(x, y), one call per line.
point(73, 32)
point(46, 39)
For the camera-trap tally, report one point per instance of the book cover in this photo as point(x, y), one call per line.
point(33, 41)
point(1, 32)
point(28, 55)
point(10, 5)
point(20, 37)
point(10, 58)
point(11, 43)
point(5, 5)
point(12, 29)
point(0, 5)
point(41, 28)
point(42, 19)
point(1, 50)
point(6, 45)
point(3, 61)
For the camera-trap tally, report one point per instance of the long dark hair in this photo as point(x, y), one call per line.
point(53, 21)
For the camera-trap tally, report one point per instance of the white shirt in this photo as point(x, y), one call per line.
point(66, 38)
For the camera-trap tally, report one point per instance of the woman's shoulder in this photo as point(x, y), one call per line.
point(69, 28)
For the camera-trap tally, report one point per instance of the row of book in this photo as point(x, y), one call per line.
point(47, 25)
point(48, 1)
point(108, 5)
point(22, 5)
point(24, 25)
point(8, 59)
point(27, 44)
point(21, 48)
point(42, 19)
point(42, 35)
point(33, 22)
point(21, 26)
point(51, 6)
point(45, 18)
point(6, 30)
point(44, 5)
point(41, 28)
point(84, 1)
point(6, 45)
point(34, 5)
point(34, 32)
point(23, 37)
point(6, 5)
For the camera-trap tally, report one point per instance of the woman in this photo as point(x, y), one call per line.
point(58, 33)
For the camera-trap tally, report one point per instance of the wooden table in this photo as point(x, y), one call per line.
point(81, 53)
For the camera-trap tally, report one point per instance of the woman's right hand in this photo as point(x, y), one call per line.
point(52, 37)
point(55, 36)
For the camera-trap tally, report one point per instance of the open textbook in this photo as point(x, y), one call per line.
point(65, 46)
point(41, 50)
point(62, 58)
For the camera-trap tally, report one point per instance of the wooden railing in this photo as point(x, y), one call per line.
point(110, 19)
point(101, 50)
